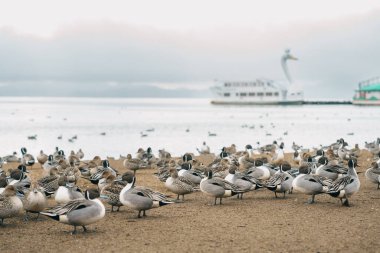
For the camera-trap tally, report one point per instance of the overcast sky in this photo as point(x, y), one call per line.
point(114, 46)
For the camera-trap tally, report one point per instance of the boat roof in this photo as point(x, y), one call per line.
point(372, 87)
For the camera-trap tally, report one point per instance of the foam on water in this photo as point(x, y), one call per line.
point(123, 119)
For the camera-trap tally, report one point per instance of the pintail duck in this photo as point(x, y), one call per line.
point(218, 188)
point(10, 204)
point(345, 187)
point(60, 155)
point(27, 159)
point(190, 174)
point(373, 174)
point(141, 199)
point(97, 175)
point(68, 192)
point(42, 157)
point(80, 154)
point(79, 212)
point(244, 182)
point(260, 170)
point(310, 184)
point(134, 164)
point(73, 158)
point(204, 149)
point(281, 181)
point(111, 191)
point(329, 171)
point(52, 182)
point(12, 158)
point(34, 201)
point(179, 185)
point(19, 176)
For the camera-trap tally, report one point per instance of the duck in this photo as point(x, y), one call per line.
point(279, 155)
point(27, 159)
point(345, 187)
point(34, 201)
point(259, 171)
point(244, 182)
point(373, 174)
point(68, 192)
point(42, 157)
point(111, 191)
point(73, 158)
point(12, 158)
point(78, 212)
point(204, 150)
point(281, 181)
point(140, 199)
point(179, 185)
point(10, 204)
point(329, 171)
point(50, 184)
point(134, 164)
point(80, 154)
point(19, 176)
point(218, 188)
point(191, 175)
point(310, 184)
point(59, 155)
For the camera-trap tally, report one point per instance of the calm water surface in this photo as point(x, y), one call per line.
point(123, 120)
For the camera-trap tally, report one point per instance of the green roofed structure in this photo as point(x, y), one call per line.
point(368, 92)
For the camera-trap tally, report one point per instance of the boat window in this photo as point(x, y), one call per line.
point(268, 94)
point(276, 93)
point(243, 94)
point(226, 94)
point(251, 94)
point(237, 94)
point(260, 94)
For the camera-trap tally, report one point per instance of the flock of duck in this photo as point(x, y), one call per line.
point(326, 170)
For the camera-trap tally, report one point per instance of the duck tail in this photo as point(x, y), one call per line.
point(160, 203)
point(51, 215)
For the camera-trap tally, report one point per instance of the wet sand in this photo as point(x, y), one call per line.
point(258, 223)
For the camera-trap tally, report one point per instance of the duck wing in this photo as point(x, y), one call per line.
point(68, 207)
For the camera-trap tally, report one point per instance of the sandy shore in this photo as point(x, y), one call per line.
point(258, 223)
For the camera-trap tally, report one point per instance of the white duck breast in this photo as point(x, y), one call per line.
point(65, 194)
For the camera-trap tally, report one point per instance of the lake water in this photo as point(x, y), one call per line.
point(123, 120)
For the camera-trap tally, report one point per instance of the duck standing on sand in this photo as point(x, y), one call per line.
point(79, 212)
point(310, 184)
point(34, 201)
point(180, 185)
point(10, 204)
point(345, 187)
point(373, 174)
point(140, 199)
point(281, 181)
point(218, 188)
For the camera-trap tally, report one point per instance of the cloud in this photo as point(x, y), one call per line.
point(334, 56)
